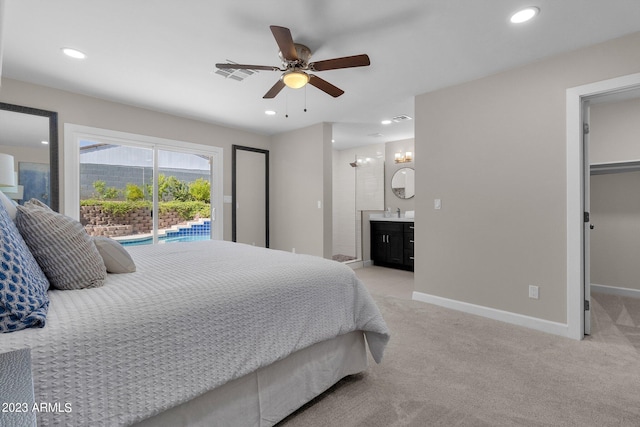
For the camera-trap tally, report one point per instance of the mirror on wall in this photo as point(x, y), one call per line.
point(30, 135)
point(403, 183)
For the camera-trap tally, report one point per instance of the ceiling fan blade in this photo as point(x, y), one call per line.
point(285, 42)
point(344, 62)
point(325, 86)
point(275, 89)
point(247, 67)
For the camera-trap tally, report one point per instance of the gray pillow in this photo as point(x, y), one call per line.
point(115, 256)
point(63, 249)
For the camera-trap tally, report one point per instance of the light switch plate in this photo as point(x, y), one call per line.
point(437, 204)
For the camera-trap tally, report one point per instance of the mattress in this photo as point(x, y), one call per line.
point(193, 317)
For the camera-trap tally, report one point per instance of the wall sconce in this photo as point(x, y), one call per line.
point(404, 158)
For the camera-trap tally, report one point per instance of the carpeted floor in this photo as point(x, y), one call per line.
point(447, 368)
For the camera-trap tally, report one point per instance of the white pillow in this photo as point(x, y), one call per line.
point(9, 205)
point(115, 256)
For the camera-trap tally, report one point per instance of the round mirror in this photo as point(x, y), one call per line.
point(403, 183)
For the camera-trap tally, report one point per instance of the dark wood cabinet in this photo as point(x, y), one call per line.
point(392, 244)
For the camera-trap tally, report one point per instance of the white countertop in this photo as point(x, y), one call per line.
point(392, 218)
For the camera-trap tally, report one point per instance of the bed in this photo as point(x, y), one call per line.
point(202, 333)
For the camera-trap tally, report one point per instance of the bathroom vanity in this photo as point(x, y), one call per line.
point(392, 242)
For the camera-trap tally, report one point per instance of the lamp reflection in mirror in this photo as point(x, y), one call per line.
point(9, 178)
point(7, 171)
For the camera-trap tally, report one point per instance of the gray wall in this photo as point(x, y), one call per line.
point(301, 174)
point(88, 111)
point(615, 241)
point(615, 132)
point(494, 151)
point(301, 159)
point(615, 198)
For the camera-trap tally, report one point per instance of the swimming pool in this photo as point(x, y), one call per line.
point(190, 233)
point(163, 239)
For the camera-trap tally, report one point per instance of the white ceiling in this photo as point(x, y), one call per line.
point(160, 54)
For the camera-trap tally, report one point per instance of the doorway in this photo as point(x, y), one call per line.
point(614, 156)
point(578, 191)
point(250, 195)
point(358, 187)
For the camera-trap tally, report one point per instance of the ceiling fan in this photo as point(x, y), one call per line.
point(295, 65)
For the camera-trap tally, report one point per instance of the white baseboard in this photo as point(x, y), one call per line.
point(613, 290)
point(542, 325)
point(368, 263)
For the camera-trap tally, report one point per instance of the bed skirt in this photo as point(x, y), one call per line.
point(266, 396)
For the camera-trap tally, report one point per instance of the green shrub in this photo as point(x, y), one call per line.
point(200, 190)
point(117, 208)
point(187, 210)
point(104, 192)
point(171, 188)
point(133, 193)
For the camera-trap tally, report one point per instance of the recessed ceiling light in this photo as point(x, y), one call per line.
point(333, 141)
point(524, 15)
point(45, 142)
point(386, 122)
point(73, 53)
point(270, 113)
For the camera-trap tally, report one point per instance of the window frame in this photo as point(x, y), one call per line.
point(73, 134)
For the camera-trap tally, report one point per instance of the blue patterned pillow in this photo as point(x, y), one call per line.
point(23, 285)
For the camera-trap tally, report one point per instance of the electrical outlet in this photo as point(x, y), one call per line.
point(533, 292)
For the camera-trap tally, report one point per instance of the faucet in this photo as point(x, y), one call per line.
point(398, 212)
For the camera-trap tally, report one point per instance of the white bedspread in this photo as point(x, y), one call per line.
point(192, 317)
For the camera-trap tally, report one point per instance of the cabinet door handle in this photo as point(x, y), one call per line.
point(411, 227)
point(387, 238)
point(411, 241)
point(411, 258)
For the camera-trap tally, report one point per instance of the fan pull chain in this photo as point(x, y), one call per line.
point(286, 105)
point(305, 98)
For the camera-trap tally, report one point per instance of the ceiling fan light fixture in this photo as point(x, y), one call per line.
point(295, 79)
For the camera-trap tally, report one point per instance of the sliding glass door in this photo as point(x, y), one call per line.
point(140, 193)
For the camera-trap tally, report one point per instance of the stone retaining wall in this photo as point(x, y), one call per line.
point(97, 222)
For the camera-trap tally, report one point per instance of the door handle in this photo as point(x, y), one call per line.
point(591, 226)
